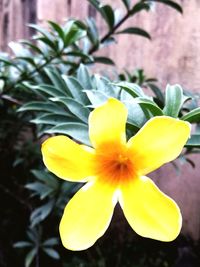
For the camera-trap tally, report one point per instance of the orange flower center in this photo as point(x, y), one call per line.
point(114, 164)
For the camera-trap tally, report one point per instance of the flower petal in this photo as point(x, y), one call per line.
point(67, 159)
point(87, 216)
point(107, 123)
point(159, 141)
point(150, 212)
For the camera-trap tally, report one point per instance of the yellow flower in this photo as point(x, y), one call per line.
point(115, 172)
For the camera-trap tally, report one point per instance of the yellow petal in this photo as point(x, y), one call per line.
point(87, 216)
point(150, 212)
point(67, 159)
point(159, 141)
point(107, 123)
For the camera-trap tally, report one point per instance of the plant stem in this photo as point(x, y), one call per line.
point(110, 33)
point(94, 48)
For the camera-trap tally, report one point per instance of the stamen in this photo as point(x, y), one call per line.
point(115, 165)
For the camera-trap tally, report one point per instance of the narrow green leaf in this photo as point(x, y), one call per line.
point(30, 257)
point(58, 29)
point(42, 106)
point(96, 98)
point(41, 213)
point(49, 90)
point(133, 89)
point(46, 177)
point(170, 3)
point(75, 89)
point(53, 119)
point(158, 93)
point(135, 30)
point(173, 100)
point(32, 46)
point(149, 105)
point(22, 244)
point(104, 85)
point(193, 141)
point(104, 60)
point(80, 54)
point(136, 115)
point(52, 253)
point(27, 60)
point(81, 112)
point(78, 131)
point(127, 3)
point(57, 80)
point(108, 14)
point(139, 7)
point(92, 31)
point(132, 127)
point(192, 116)
point(73, 34)
point(50, 242)
point(47, 42)
point(84, 77)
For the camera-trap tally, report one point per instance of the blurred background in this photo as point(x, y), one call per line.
point(171, 56)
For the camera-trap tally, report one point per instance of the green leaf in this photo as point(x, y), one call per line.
point(40, 189)
point(22, 244)
point(135, 30)
point(126, 3)
point(170, 3)
point(78, 131)
point(50, 242)
point(136, 115)
point(84, 77)
point(42, 106)
point(58, 29)
point(27, 60)
point(139, 7)
point(46, 177)
point(92, 31)
point(106, 12)
point(41, 213)
point(41, 30)
point(30, 257)
point(76, 89)
point(133, 89)
point(73, 34)
point(104, 85)
point(194, 141)
point(96, 98)
point(132, 127)
point(52, 253)
point(95, 3)
point(74, 107)
point(57, 80)
point(192, 116)
point(32, 46)
point(9, 62)
point(80, 54)
point(173, 100)
point(158, 93)
point(104, 60)
point(149, 105)
point(45, 89)
point(52, 119)
point(47, 42)
point(108, 15)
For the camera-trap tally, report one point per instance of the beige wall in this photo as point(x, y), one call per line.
point(173, 56)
